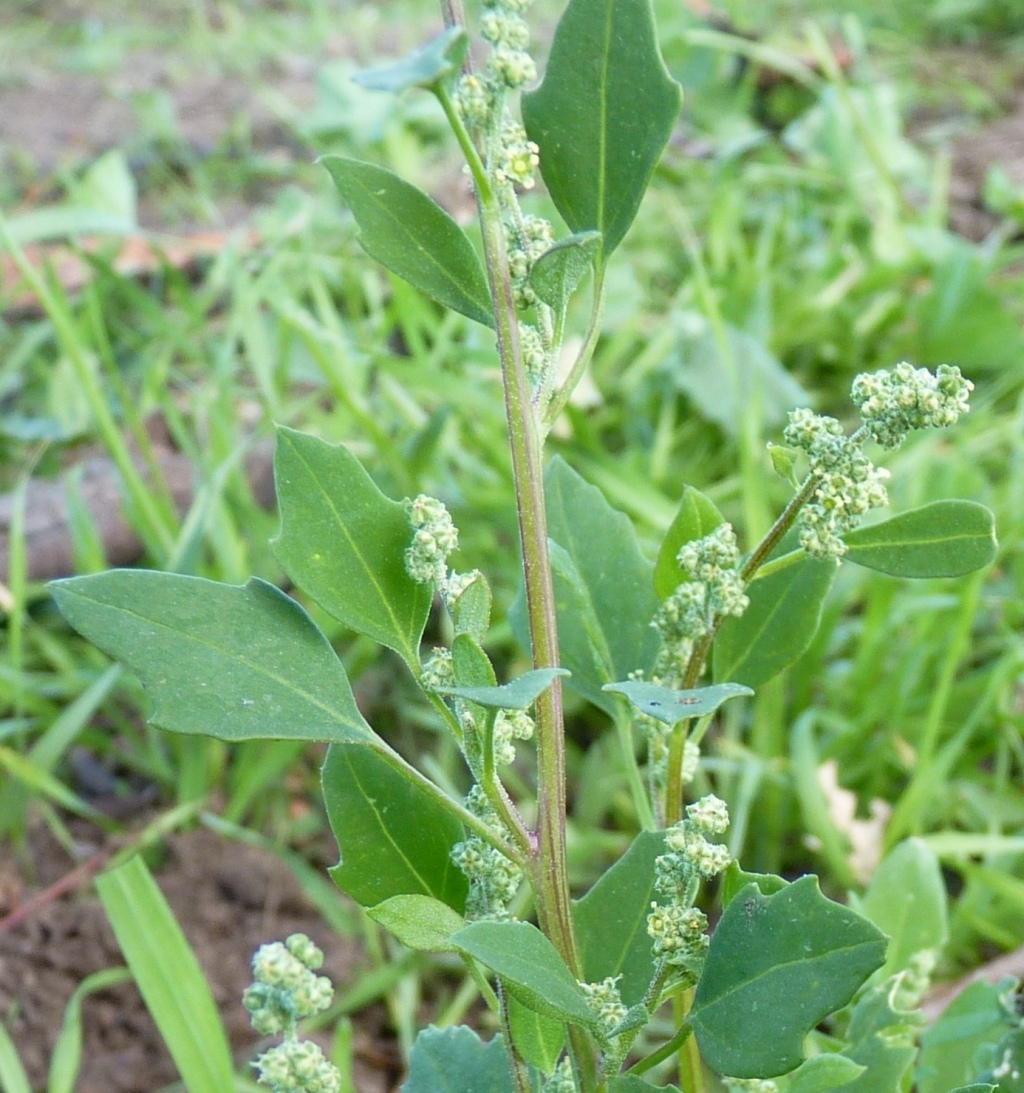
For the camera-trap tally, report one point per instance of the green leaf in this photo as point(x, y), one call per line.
point(611, 920)
point(630, 1083)
point(472, 666)
point(428, 66)
point(421, 922)
point(538, 1039)
point(943, 539)
point(885, 1061)
point(776, 966)
point(778, 626)
point(343, 542)
point(456, 1060)
point(394, 839)
point(735, 879)
point(67, 1052)
point(530, 967)
point(948, 1049)
point(168, 976)
point(471, 612)
point(907, 901)
point(13, 1078)
point(823, 1073)
point(411, 235)
point(670, 706)
point(697, 517)
point(603, 588)
point(235, 662)
point(559, 270)
point(976, 1087)
point(603, 114)
point(516, 695)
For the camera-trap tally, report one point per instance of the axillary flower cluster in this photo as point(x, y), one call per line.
point(511, 160)
point(287, 990)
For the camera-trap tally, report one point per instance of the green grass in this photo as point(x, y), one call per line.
point(803, 232)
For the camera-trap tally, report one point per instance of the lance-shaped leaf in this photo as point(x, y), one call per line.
point(437, 61)
point(697, 517)
point(776, 966)
point(530, 967)
point(778, 625)
point(456, 1060)
point(410, 234)
point(394, 839)
point(538, 1039)
point(516, 695)
point(236, 662)
point(669, 706)
point(603, 114)
point(605, 596)
point(611, 920)
point(421, 922)
point(943, 539)
point(343, 542)
point(557, 272)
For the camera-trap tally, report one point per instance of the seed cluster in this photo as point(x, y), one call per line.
point(493, 879)
point(286, 990)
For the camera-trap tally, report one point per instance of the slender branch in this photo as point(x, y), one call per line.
point(564, 393)
point(474, 823)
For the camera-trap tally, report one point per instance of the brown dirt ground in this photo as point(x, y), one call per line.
point(229, 900)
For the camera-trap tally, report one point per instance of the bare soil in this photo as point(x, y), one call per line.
point(228, 898)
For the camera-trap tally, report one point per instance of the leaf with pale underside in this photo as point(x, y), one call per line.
point(558, 271)
point(603, 114)
point(411, 235)
point(516, 695)
point(343, 542)
point(671, 706)
point(436, 62)
point(235, 662)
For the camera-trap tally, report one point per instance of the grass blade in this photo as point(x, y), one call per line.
point(169, 977)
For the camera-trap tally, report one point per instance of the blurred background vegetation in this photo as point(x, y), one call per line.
point(845, 189)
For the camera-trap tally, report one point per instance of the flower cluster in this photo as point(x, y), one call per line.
point(434, 538)
point(848, 483)
point(493, 879)
point(510, 725)
point(712, 587)
point(752, 1085)
point(287, 989)
point(527, 238)
point(606, 1004)
point(677, 928)
point(438, 671)
point(298, 1066)
point(891, 403)
point(562, 1080)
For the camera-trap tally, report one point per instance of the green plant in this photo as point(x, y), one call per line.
point(575, 994)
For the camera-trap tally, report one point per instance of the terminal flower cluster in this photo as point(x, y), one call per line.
point(493, 879)
point(891, 403)
point(677, 928)
point(286, 990)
